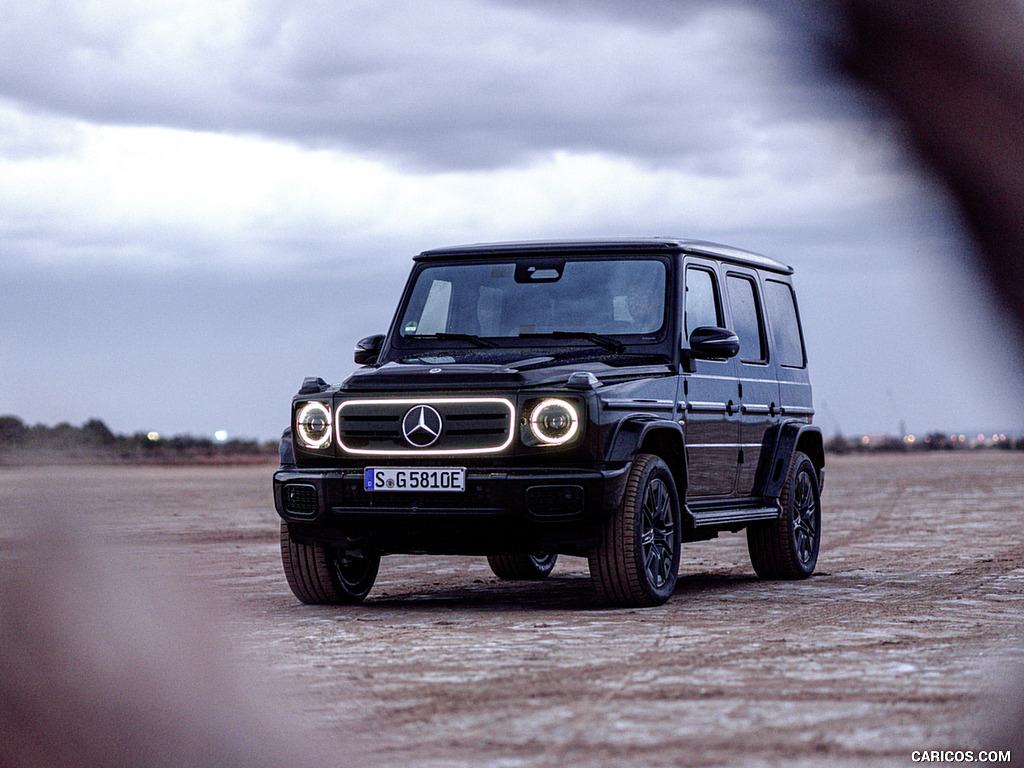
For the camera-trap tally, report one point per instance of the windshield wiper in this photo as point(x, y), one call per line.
point(608, 343)
point(480, 342)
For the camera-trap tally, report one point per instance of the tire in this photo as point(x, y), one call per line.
point(323, 574)
point(787, 548)
point(637, 561)
point(522, 567)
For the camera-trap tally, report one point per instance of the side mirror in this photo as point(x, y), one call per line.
point(710, 342)
point(368, 349)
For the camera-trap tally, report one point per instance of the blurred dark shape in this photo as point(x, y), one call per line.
point(1010, 725)
point(954, 74)
point(103, 663)
point(12, 431)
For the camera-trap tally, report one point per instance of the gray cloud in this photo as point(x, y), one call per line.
point(460, 83)
point(142, 263)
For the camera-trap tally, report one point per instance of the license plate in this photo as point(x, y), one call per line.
point(418, 479)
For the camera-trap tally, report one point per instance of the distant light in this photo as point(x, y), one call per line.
point(981, 438)
point(962, 438)
point(865, 440)
point(154, 436)
point(909, 439)
point(220, 435)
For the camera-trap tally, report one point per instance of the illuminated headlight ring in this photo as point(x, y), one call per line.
point(554, 421)
point(313, 425)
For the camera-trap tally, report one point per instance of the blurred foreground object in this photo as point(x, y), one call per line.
point(954, 74)
point(104, 664)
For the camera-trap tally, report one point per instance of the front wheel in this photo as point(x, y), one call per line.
point(787, 548)
point(522, 567)
point(324, 574)
point(637, 561)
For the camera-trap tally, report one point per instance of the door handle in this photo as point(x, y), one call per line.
point(772, 410)
point(730, 408)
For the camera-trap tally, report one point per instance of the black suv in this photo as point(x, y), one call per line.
point(608, 399)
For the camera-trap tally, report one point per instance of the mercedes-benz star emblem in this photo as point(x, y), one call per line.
point(421, 426)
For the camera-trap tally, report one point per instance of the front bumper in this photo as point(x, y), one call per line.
point(560, 509)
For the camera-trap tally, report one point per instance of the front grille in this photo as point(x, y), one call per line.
point(300, 500)
point(552, 501)
point(468, 426)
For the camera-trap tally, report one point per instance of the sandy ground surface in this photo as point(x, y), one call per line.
point(901, 641)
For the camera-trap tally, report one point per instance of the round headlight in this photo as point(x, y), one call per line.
point(313, 425)
point(554, 421)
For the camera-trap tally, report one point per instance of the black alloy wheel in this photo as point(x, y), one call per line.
point(657, 533)
point(787, 548)
point(636, 562)
point(806, 520)
point(322, 573)
point(522, 567)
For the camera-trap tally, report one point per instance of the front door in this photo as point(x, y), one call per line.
point(708, 397)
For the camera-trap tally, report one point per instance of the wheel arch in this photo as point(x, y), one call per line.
point(812, 443)
point(655, 436)
point(780, 443)
point(285, 449)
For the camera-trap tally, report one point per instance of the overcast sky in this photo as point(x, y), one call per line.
point(202, 203)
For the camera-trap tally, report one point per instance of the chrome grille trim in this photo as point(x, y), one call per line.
point(381, 421)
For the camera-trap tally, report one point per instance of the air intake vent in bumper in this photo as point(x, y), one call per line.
point(554, 501)
point(299, 500)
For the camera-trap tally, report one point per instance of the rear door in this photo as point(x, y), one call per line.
point(758, 385)
point(788, 345)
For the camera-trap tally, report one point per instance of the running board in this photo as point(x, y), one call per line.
point(730, 516)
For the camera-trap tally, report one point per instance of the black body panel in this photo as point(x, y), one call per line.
point(724, 427)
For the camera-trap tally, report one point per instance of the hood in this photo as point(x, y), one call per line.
point(471, 372)
point(425, 375)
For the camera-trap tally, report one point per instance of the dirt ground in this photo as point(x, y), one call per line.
point(902, 640)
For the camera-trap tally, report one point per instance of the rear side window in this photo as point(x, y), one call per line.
point(702, 306)
point(789, 343)
point(746, 318)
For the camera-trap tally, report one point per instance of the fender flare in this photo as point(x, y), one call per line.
point(781, 441)
point(285, 449)
point(630, 434)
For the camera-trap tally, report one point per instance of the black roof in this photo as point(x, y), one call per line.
point(623, 246)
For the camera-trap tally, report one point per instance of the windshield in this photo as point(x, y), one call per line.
point(531, 297)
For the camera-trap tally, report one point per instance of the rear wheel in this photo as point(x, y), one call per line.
point(787, 548)
point(324, 574)
point(522, 567)
point(637, 561)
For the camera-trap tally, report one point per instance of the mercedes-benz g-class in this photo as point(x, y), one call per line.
point(604, 399)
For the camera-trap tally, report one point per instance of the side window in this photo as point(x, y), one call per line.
point(789, 343)
point(746, 318)
point(702, 306)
